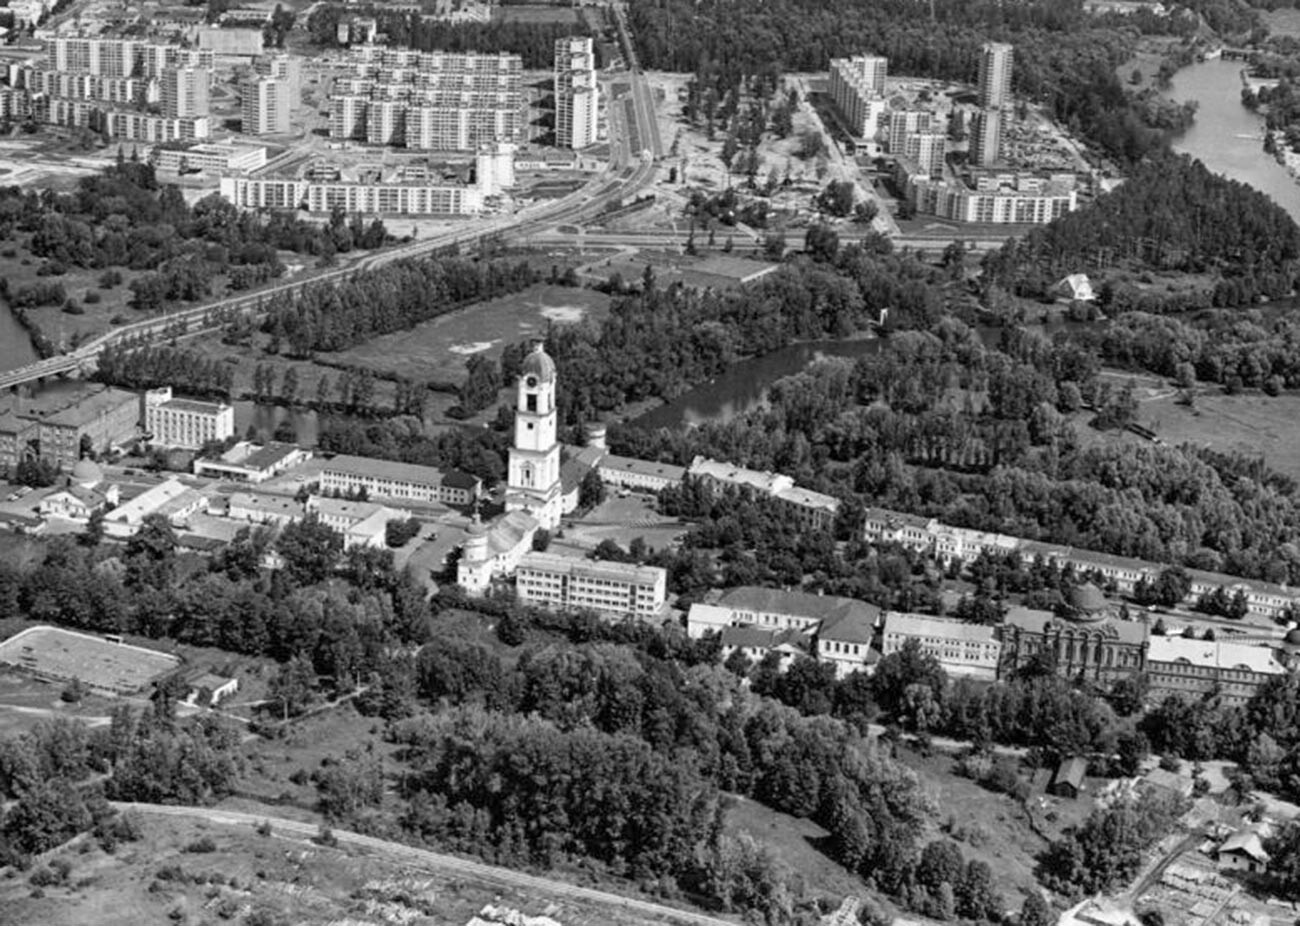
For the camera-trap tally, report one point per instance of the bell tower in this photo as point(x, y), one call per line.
point(533, 483)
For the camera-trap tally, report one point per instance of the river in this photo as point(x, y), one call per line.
point(15, 346)
point(1227, 137)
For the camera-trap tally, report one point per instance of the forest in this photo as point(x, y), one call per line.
point(532, 41)
point(1065, 59)
point(1172, 213)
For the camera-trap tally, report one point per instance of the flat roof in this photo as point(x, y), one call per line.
point(597, 569)
point(195, 405)
point(944, 627)
point(1220, 654)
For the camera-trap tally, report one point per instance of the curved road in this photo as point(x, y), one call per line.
point(434, 860)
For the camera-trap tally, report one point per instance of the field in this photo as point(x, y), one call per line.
point(155, 880)
point(535, 14)
point(25, 702)
point(438, 349)
point(49, 652)
point(1254, 424)
point(1282, 21)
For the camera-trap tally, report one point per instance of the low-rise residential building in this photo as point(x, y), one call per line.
point(172, 499)
point(361, 524)
point(813, 509)
point(961, 648)
point(619, 589)
point(389, 479)
point(757, 643)
point(259, 508)
point(842, 629)
point(185, 423)
point(640, 475)
point(1193, 668)
point(252, 463)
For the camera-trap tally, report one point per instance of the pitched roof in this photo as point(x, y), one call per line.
point(1245, 842)
point(633, 466)
point(1072, 771)
point(509, 530)
point(1030, 619)
point(731, 474)
point(797, 604)
point(370, 467)
point(807, 498)
point(896, 518)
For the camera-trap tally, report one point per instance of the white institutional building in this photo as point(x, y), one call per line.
point(533, 483)
point(577, 93)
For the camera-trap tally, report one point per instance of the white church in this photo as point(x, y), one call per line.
point(534, 499)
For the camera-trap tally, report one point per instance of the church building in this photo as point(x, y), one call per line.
point(533, 482)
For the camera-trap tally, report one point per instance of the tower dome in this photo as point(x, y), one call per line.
point(539, 365)
point(86, 473)
point(1087, 602)
point(475, 548)
point(1292, 637)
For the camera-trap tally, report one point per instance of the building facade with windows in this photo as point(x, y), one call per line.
point(389, 479)
point(618, 589)
point(971, 650)
point(1195, 668)
point(186, 423)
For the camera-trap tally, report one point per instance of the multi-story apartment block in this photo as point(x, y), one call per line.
point(986, 138)
point(185, 92)
point(79, 85)
point(857, 86)
point(348, 117)
point(388, 479)
point(619, 589)
point(960, 203)
point(926, 150)
point(287, 68)
point(185, 423)
point(18, 437)
point(906, 122)
point(121, 57)
point(577, 94)
point(265, 106)
point(995, 75)
point(429, 100)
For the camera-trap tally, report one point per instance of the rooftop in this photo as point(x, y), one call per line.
point(274, 504)
point(391, 470)
point(1213, 653)
point(923, 625)
point(592, 569)
point(798, 604)
point(807, 498)
point(643, 467)
point(148, 501)
point(738, 475)
point(258, 458)
point(899, 518)
point(195, 405)
point(91, 407)
point(509, 530)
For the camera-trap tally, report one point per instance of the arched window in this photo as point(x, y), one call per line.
point(526, 475)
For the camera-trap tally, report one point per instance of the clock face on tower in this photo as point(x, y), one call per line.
point(530, 381)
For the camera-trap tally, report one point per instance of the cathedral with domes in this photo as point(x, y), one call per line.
point(1089, 640)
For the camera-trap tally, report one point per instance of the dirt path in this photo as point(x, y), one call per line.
point(422, 857)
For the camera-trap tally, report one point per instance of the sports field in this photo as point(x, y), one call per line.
point(50, 652)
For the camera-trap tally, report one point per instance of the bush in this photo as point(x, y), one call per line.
point(326, 837)
point(118, 319)
point(73, 692)
point(203, 844)
point(109, 278)
point(44, 877)
point(264, 828)
point(9, 252)
point(92, 297)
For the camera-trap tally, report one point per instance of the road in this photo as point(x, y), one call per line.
point(627, 173)
point(441, 862)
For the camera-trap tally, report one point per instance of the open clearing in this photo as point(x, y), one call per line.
point(49, 652)
point(25, 702)
point(438, 349)
point(1251, 424)
point(156, 881)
